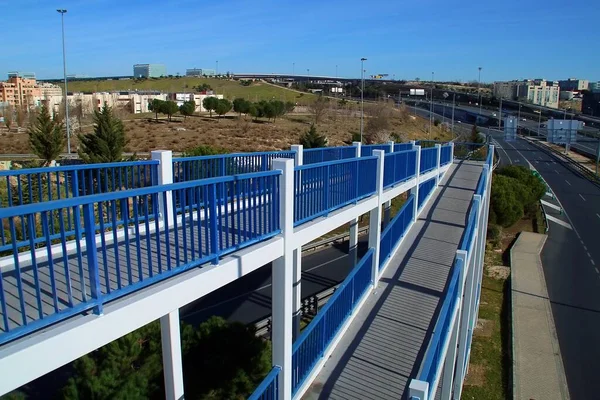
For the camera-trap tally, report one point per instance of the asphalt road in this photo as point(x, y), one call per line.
point(571, 262)
point(248, 300)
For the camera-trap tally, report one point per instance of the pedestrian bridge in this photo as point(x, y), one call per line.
point(91, 253)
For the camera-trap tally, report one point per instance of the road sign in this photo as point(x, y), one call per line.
point(563, 131)
point(445, 95)
point(510, 129)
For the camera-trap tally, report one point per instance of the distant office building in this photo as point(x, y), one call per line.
point(19, 91)
point(149, 70)
point(200, 72)
point(573, 84)
point(19, 74)
point(594, 87)
point(506, 90)
point(591, 104)
point(540, 92)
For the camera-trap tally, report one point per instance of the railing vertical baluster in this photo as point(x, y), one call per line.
point(92, 257)
point(325, 178)
point(213, 230)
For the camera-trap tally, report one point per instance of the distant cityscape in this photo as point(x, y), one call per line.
point(22, 89)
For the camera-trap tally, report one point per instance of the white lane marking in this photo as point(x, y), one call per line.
point(547, 204)
point(582, 198)
point(598, 272)
point(597, 215)
point(555, 171)
point(589, 255)
point(525, 158)
point(502, 148)
point(558, 221)
point(568, 183)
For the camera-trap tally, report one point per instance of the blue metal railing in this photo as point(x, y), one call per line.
point(132, 249)
point(402, 147)
point(367, 150)
point(324, 154)
point(428, 159)
point(314, 341)
point(399, 167)
point(396, 229)
point(445, 154)
point(425, 190)
point(269, 387)
point(432, 363)
point(36, 185)
point(322, 188)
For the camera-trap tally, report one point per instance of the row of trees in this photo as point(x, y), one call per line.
point(263, 109)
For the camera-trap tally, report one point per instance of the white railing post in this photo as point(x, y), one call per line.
point(451, 152)
point(438, 148)
point(299, 156)
point(297, 285)
point(375, 217)
point(450, 361)
point(465, 325)
point(387, 207)
point(413, 143)
point(353, 239)
point(165, 177)
point(415, 190)
point(418, 390)
point(171, 354)
point(282, 278)
point(391, 144)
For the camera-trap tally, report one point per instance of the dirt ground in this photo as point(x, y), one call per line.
point(235, 134)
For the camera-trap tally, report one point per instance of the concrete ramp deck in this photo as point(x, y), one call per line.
point(385, 344)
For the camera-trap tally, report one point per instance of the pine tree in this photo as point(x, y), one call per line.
point(312, 139)
point(46, 136)
point(107, 142)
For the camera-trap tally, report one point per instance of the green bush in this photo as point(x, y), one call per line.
point(312, 139)
point(202, 150)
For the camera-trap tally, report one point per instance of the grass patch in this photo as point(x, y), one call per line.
point(228, 88)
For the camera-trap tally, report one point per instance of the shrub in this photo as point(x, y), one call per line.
point(312, 139)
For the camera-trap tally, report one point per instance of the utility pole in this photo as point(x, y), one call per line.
point(453, 102)
point(500, 114)
point(362, 96)
point(67, 124)
point(539, 123)
point(217, 70)
point(479, 89)
point(293, 68)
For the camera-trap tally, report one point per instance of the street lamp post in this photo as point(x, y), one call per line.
point(293, 68)
point(217, 69)
point(479, 89)
point(67, 125)
point(431, 104)
point(362, 96)
point(453, 102)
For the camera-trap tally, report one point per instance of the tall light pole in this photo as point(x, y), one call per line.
point(453, 103)
point(362, 96)
point(479, 89)
point(431, 104)
point(217, 69)
point(67, 125)
point(293, 68)
point(307, 77)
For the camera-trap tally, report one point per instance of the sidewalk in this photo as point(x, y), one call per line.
point(538, 372)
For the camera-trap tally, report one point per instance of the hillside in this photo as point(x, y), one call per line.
point(228, 88)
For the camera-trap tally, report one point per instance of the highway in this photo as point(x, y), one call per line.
point(248, 300)
point(571, 262)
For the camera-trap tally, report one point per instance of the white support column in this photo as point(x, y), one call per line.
point(375, 217)
point(450, 362)
point(282, 278)
point(165, 177)
point(415, 191)
point(299, 157)
point(353, 239)
point(439, 157)
point(171, 354)
point(418, 390)
point(297, 291)
point(468, 302)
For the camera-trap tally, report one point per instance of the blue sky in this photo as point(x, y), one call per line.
point(510, 39)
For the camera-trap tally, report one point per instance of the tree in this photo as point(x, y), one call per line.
point(319, 108)
point(475, 136)
point(253, 110)
point(289, 106)
point(268, 110)
point(156, 106)
point(107, 142)
point(187, 108)
point(21, 116)
point(8, 116)
point(169, 108)
point(46, 137)
point(210, 104)
point(312, 139)
point(241, 106)
point(223, 107)
point(278, 108)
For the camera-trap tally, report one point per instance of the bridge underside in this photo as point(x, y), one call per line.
point(385, 344)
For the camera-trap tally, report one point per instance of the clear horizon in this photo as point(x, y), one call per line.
point(106, 37)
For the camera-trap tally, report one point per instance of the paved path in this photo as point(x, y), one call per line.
point(385, 344)
point(538, 371)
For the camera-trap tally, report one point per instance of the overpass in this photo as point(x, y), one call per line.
point(94, 252)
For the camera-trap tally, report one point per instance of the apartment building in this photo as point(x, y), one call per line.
point(18, 90)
